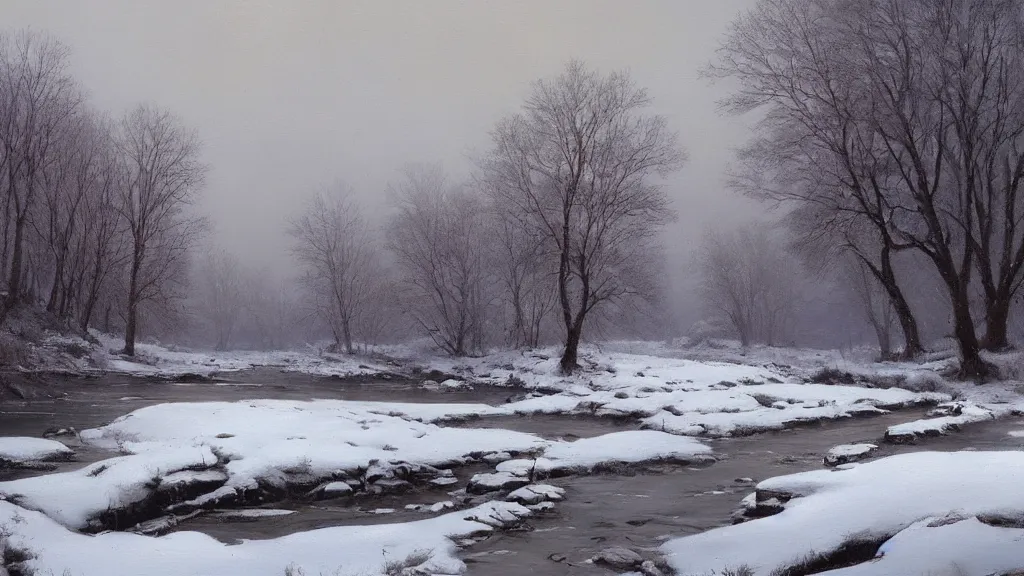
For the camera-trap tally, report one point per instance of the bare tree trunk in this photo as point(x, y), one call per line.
point(908, 323)
point(15, 284)
point(997, 313)
point(568, 363)
point(971, 364)
point(133, 306)
point(572, 332)
point(346, 333)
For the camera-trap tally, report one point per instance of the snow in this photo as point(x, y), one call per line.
point(966, 547)
point(847, 453)
point(340, 551)
point(336, 488)
point(19, 449)
point(877, 499)
point(262, 438)
point(536, 493)
point(675, 395)
point(253, 513)
point(492, 482)
point(155, 360)
point(628, 447)
point(265, 442)
point(958, 414)
point(74, 498)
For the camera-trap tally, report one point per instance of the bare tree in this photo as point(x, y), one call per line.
point(161, 174)
point(438, 237)
point(909, 116)
point(577, 163)
point(334, 245)
point(38, 98)
point(748, 280)
point(103, 240)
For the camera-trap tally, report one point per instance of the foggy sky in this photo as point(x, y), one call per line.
point(287, 94)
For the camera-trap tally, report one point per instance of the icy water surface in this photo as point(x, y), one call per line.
point(639, 509)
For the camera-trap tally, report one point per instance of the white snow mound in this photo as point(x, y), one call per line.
point(877, 499)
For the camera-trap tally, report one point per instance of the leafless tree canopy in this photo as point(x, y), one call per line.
point(749, 282)
point(438, 237)
point(902, 117)
point(575, 167)
point(342, 271)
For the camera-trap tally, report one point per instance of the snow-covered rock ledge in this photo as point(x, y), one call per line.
point(428, 546)
point(947, 417)
point(923, 513)
point(20, 451)
point(183, 457)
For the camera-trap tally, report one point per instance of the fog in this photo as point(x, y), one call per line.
point(288, 100)
point(289, 95)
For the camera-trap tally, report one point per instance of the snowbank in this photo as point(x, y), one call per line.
point(339, 551)
point(873, 501)
point(947, 417)
point(934, 546)
point(264, 441)
point(18, 450)
point(630, 447)
point(276, 444)
point(75, 498)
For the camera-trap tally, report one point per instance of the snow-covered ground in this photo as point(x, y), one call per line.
point(177, 458)
point(428, 545)
point(905, 501)
point(159, 361)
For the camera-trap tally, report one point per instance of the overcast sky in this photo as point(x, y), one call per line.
point(288, 94)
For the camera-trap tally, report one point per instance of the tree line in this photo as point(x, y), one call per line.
point(97, 221)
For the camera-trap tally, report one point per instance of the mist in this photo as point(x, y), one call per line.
point(289, 96)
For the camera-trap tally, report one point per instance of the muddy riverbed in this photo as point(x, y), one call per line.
point(639, 509)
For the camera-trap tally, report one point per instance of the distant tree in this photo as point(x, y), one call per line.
point(219, 280)
point(161, 174)
point(749, 281)
point(103, 241)
point(576, 165)
point(340, 264)
point(439, 238)
point(877, 307)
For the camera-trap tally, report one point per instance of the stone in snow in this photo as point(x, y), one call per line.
point(452, 384)
point(536, 493)
point(649, 568)
point(24, 449)
point(439, 506)
point(444, 481)
point(481, 483)
point(333, 489)
point(619, 557)
point(848, 453)
point(541, 507)
point(496, 457)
